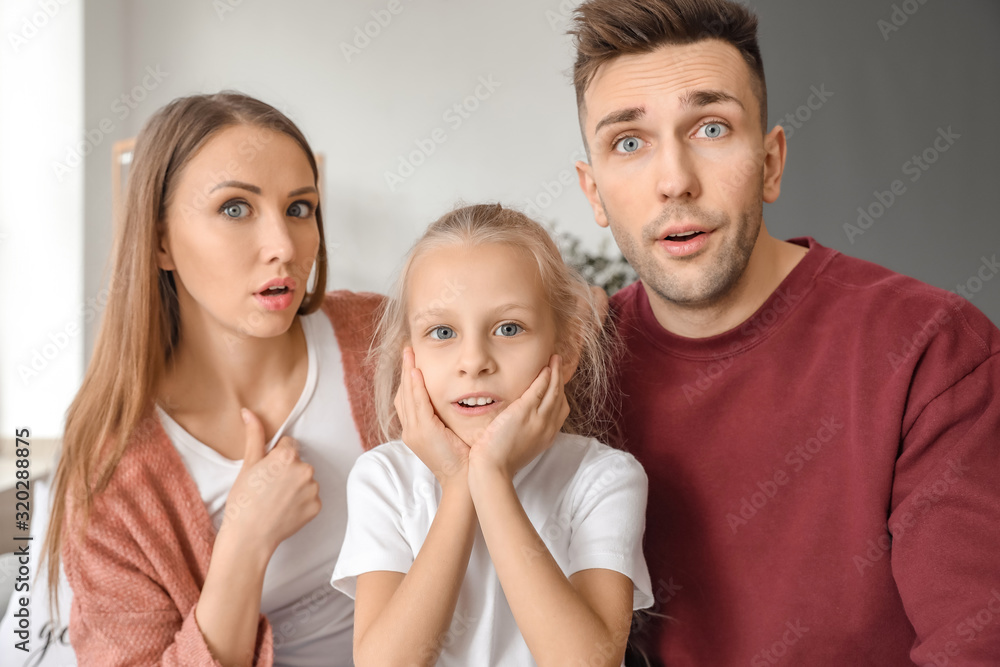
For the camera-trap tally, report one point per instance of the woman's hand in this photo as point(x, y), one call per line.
point(273, 496)
point(436, 445)
point(526, 427)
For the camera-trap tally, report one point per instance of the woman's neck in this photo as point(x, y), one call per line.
point(212, 372)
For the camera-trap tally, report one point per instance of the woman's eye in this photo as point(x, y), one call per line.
point(442, 333)
point(713, 130)
point(509, 329)
point(235, 209)
point(300, 209)
point(629, 144)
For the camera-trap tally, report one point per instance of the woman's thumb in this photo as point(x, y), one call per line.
point(255, 438)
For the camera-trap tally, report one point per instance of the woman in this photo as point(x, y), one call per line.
point(213, 344)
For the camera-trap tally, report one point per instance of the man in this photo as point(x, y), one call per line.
point(821, 435)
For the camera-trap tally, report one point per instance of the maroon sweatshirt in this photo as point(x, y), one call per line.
point(824, 479)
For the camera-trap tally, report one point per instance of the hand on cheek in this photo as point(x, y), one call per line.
point(525, 428)
point(436, 445)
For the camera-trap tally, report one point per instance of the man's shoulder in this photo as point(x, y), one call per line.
point(873, 294)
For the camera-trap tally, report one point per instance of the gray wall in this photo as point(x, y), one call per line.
point(893, 90)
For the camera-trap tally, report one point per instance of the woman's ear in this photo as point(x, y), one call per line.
point(163, 257)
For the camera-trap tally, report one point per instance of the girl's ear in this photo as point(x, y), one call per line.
point(568, 366)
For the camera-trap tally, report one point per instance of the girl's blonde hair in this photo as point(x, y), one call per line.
point(577, 315)
point(142, 321)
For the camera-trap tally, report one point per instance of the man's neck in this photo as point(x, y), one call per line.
point(771, 261)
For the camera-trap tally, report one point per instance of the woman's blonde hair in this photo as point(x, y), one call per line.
point(140, 326)
point(577, 316)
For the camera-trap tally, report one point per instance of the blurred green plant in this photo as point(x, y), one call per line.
point(606, 268)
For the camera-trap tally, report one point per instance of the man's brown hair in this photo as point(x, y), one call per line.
point(606, 29)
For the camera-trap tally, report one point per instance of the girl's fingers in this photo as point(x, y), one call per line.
point(554, 387)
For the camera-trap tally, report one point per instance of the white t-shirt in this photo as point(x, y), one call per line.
point(313, 624)
point(586, 500)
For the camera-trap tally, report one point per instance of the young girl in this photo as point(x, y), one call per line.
point(185, 513)
point(487, 535)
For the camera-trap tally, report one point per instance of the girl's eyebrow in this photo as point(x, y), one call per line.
point(438, 313)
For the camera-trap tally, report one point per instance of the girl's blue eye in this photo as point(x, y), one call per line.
point(629, 144)
point(235, 209)
point(442, 333)
point(300, 209)
point(509, 329)
point(714, 130)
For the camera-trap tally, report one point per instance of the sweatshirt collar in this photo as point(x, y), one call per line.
point(761, 325)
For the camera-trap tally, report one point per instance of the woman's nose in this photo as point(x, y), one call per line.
point(277, 243)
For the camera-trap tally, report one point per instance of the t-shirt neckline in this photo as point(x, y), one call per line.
point(180, 436)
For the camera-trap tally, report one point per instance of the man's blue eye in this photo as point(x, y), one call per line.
point(300, 209)
point(629, 144)
point(235, 209)
point(508, 329)
point(714, 130)
point(442, 333)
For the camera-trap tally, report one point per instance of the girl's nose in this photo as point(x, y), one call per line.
point(476, 359)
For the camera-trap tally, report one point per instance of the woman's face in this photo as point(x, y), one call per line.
point(241, 233)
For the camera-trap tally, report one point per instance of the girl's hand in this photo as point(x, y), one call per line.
point(526, 427)
point(436, 445)
point(273, 496)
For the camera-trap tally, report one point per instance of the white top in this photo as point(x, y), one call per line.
point(313, 624)
point(586, 500)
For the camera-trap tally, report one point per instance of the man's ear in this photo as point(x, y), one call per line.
point(164, 259)
point(775, 148)
point(585, 172)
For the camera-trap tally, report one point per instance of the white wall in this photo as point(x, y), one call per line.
point(41, 216)
point(364, 112)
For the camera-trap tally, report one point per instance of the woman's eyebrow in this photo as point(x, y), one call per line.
point(301, 191)
point(237, 184)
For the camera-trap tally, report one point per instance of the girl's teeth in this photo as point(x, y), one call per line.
point(482, 400)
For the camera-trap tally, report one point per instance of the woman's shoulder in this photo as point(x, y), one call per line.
point(345, 304)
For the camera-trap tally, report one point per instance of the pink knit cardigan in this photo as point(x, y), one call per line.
point(138, 570)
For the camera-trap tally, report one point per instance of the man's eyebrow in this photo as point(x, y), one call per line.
point(703, 98)
point(237, 184)
point(621, 116)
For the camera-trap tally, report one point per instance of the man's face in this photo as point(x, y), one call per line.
point(679, 168)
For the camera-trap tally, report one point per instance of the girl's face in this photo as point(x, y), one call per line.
point(481, 330)
point(241, 233)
